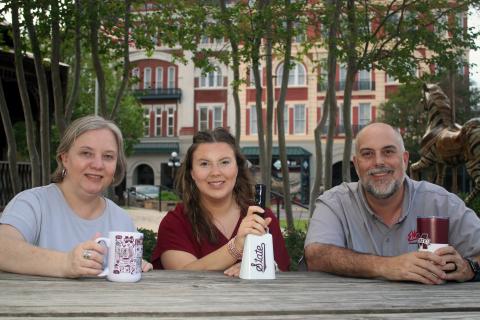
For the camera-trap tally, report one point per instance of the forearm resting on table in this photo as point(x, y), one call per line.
point(342, 261)
point(18, 256)
point(181, 260)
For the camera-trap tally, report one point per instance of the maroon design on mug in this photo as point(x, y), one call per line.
point(128, 255)
point(432, 230)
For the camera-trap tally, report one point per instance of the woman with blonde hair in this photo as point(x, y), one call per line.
point(49, 230)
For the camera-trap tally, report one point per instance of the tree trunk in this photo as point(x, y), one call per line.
point(126, 61)
point(72, 99)
point(12, 145)
point(43, 97)
point(270, 101)
point(332, 98)
point(27, 109)
point(97, 65)
point(347, 95)
point(280, 124)
point(55, 70)
point(236, 69)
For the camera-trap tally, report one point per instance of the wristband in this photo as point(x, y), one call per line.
point(232, 249)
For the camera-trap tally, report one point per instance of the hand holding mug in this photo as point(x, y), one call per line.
point(86, 259)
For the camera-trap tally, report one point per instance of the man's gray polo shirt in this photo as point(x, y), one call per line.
point(343, 218)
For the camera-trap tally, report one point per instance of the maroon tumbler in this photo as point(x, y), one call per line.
point(432, 233)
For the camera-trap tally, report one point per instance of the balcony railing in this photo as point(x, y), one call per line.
point(362, 85)
point(6, 190)
point(158, 93)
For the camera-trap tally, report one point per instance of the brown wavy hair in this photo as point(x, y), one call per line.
point(199, 216)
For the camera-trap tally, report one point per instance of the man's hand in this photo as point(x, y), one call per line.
point(456, 267)
point(424, 267)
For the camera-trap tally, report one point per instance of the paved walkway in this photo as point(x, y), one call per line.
point(146, 218)
point(150, 219)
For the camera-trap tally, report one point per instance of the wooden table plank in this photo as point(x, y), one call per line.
point(177, 294)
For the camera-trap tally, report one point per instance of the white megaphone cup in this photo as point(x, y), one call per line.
point(258, 261)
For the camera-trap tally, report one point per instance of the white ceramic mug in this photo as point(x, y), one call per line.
point(257, 261)
point(124, 261)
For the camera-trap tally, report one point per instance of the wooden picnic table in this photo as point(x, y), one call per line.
point(211, 295)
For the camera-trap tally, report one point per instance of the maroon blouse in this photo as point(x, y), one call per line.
point(175, 233)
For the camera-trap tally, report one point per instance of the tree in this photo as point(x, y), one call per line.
point(49, 29)
point(397, 37)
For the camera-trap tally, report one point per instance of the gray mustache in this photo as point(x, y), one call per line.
point(379, 170)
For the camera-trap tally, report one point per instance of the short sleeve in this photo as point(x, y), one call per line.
point(173, 234)
point(325, 226)
point(24, 214)
point(280, 252)
point(464, 231)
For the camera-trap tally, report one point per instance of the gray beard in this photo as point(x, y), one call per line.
point(383, 192)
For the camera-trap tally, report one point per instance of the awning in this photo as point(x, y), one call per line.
point(155, 147)
point(291, 151)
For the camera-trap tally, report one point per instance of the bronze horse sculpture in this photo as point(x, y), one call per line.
point(445, 143)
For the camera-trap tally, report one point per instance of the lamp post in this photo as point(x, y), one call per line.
point(173, 162)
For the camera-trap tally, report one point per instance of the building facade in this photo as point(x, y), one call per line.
point(178, 100)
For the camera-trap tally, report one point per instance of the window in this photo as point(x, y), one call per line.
point(204, 39)
point(364, 80)
point(252, 78)
point(296, 76)
point(158, 121)
point(217, 117)
point(459, 21)
point(170, 122)
point(391, 79)
point(146, 117)
point(159, 77)
point(136, 78)
point(365, 114)
point(286, 119)
point(440, 22)
point(253, 120)
point(203, 123)
point(212, 79)
point(323, 81)
point(343, 76)
point(299, 119)
point(299, 30)
point(171, 77)
point(147, 78)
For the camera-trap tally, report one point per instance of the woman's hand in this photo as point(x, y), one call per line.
point(233, 271)
point(251, 224)
point(86, 259)
point(146, 266)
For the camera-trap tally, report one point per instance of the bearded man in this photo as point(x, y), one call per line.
point(368, 228)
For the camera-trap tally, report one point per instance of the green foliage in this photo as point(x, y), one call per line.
point(130, 115)
point(404, 110)
point(149, 242)
point(474, 205)
point(169, 196)
point(294, 240)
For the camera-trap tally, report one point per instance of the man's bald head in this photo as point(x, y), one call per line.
point(378, 128)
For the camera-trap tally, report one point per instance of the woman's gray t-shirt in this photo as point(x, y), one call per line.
point(46, 220)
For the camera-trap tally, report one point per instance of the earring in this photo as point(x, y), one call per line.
point(64, 172)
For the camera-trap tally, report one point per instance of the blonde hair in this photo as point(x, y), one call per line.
point(79, 127)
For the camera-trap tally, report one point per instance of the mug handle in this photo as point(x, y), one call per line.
point(107, 244)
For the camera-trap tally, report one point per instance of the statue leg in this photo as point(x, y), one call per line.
point(419, 165)
point(473, 169)
point(441, 169)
